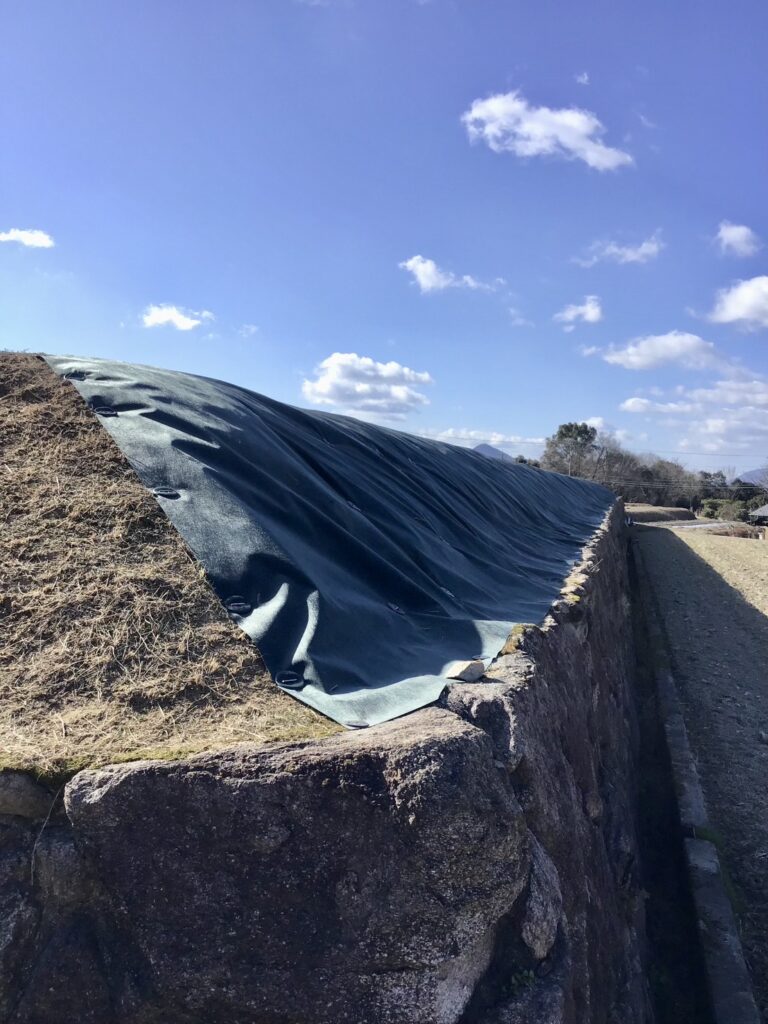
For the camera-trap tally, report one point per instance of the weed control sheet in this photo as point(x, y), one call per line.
point(361, 560)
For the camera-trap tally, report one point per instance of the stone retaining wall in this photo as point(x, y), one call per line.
point(473, 862)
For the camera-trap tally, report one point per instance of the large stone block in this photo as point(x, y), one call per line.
point(356, 879)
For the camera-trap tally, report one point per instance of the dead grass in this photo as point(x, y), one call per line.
point(741, 530)
point(112, 643)
point(656, 513)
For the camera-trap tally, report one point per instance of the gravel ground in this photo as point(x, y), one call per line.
point(713, 596)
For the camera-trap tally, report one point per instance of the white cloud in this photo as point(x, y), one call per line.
point(636, 405)
point(745, 302)
point(744, 393)
point(598, 422)
point(469, 438)
point(590, 312)
point(517, 319)
point(582, 78)
point(729, 415)
point(32, 238)
point(247, 330)
point(646, 405)
point(164, 315)
point(646, 122)
point(614, 253)
point(430, 278)
point(359, 384)
point(737, 239)
point(714, 425)
point(507, 123)
point(657, 349)
point(732, 429)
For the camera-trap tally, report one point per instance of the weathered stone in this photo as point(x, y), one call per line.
point(390, 855)
point(539, 1000)
point(593, 805)
point(17, 840)
point(19, 920)
point(562, 703)
point(68, 982)
point(22, 796)
point(491, 708)
point(58, 868)
point(544, 906)
point(466, 671)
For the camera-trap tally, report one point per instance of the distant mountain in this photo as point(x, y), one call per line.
point(753, 476)
point(493, 453)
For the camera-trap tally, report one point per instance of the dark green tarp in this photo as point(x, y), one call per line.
point(361, 560)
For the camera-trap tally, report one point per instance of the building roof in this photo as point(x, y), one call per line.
point(759, 513)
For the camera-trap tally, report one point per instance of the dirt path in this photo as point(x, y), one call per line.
point(712, 593)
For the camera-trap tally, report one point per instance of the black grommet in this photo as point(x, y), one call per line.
point(450, 593)
point(165, 492)
point(395, 607)
point(353, 723)
point(104, 410)
point(290, 680)
point(75, 375)
point(237, 605)
point(354, 507)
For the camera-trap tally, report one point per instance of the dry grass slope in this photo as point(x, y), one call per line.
point(112, 643)
point(656, 513)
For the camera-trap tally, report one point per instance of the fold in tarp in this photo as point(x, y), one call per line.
point(362, 561)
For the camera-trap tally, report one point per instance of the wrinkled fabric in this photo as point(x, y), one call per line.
point(362, 561)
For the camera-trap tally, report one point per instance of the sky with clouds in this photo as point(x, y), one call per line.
point(471, 219)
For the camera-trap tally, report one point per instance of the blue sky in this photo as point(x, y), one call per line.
point(470, 218)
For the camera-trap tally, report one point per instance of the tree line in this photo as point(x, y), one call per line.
point(578, 449)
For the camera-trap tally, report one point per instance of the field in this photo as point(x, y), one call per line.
point(713, 597)
point(742, 563)
point(112, 643)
